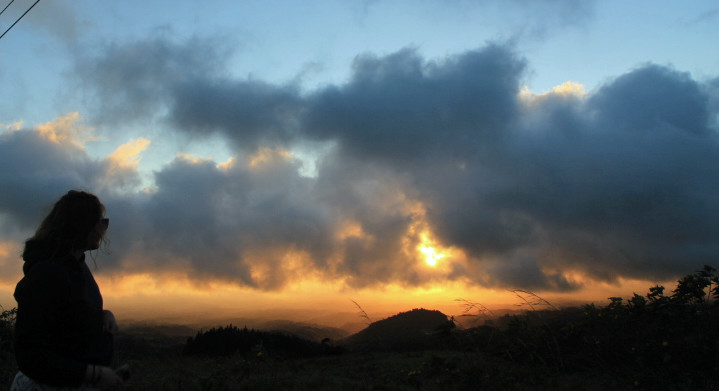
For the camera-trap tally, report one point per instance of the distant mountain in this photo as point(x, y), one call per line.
point(416, 329)
point(310, 332)
point(353, 327)
point(143, 339)
point(145, 329)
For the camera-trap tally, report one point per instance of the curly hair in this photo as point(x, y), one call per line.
point(72, 219)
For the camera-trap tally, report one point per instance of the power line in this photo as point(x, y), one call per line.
point(18, 19)
point(8, 4)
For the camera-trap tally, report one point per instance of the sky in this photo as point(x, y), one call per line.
point(267, 155)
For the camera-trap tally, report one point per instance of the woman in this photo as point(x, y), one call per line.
point(63, 338)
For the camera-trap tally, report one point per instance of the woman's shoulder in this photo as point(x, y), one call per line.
point(48, 269)
point(50, 276)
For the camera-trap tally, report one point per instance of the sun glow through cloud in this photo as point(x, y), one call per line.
point(432, 255)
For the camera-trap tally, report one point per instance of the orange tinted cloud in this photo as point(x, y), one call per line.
point(10, 261)
point(128, 155)
point(67, 129)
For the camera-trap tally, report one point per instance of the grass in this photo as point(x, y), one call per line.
point(168, 370)
point(425, 370)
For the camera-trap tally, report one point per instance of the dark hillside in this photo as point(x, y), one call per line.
point(412, 330)
point(311, 332)
point(229, 340)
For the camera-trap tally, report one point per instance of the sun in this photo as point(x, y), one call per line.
point(432, 256)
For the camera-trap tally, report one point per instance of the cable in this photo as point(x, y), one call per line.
point(18, 19)
point(8, 4)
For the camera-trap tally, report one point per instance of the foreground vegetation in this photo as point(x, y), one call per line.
point(657, 341)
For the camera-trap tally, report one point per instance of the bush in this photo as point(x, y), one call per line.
point(654, 339)
point(7, 324)
point(7, 358)
point(230, 340)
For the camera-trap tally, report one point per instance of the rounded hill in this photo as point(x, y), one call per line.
point(415, 329)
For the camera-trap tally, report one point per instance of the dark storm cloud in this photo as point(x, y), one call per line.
point(216, 222)
point(522, 270)
point(251, 113)
point(130, 82)
point(225, 222)
point(620, 183)
point(217, 219)
point(651, 99)
point(711, 89)
point(401, 108)
point(136, 82)
point(34, 172)
point(374, 197)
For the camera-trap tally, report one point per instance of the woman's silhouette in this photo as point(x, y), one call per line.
point(63, 337)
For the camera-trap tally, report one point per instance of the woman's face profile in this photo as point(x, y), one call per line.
point(96, 235)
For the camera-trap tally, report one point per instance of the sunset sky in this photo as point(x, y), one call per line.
point(271, 155)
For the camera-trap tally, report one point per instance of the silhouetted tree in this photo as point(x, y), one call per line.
point(637, 303)
point(691, 289)
point(7, 324)
point(656, 294)
point(228, 340)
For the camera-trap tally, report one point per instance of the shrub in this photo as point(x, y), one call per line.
point(7, 324)
point(653, 339)
point(230, 340)
point(7, 358)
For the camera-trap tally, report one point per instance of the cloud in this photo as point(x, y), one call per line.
point(519, 189)
point(529, 21)
point(10, 265)
point(67, 129)
point(133, 82)
point(122, 166)
point(645, 100)
point(251, 113)
point(705, 17)
point(402, 108)
point(59, 20)
point(127, 155)
point(222, 221)
point(38, 166)
point(614, 184)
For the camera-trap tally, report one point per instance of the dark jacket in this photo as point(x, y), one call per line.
point(59, 324)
